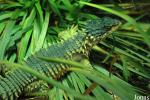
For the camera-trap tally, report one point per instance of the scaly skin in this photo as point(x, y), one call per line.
point(14, 82)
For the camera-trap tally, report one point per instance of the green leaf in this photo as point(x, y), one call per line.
point(25, 40)
point(126, 73)
point(23, 46)
point(2, 27)
point(54, 7)
point(40, 12)
point(5, 38)
point(43, 32)
point(146, 36)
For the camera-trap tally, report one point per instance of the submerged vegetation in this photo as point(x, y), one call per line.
point(121, 62)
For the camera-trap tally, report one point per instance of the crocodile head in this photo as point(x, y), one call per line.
point(98, 29)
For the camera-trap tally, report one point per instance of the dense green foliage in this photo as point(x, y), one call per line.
point(26, 26)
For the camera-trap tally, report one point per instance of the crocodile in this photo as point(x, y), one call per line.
point(91, 33)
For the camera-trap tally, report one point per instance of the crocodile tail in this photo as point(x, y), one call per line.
point(13, 83)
